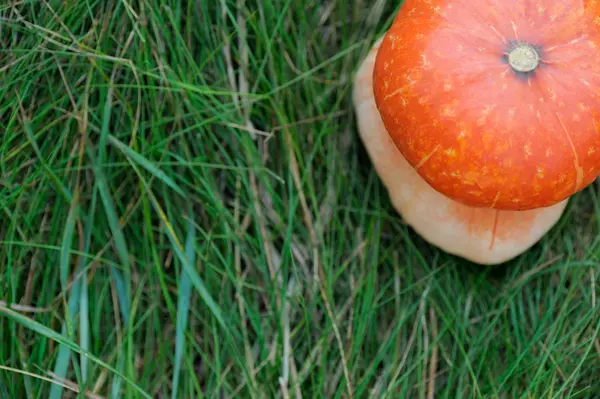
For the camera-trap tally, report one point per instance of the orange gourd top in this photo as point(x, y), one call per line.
point(495, 102)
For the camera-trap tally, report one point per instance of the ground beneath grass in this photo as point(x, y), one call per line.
point(187, 212)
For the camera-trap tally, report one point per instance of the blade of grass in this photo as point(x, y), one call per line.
point(183, 304)
point(74, 305)
point(145, 163)
point(123, 287)
point(67, 241)
point(62, 362)
point(84, 326)
point(189, 269)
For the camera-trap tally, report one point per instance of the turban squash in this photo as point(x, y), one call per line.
point(482, 117)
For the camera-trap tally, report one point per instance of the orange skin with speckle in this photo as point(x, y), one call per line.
point(475, 129)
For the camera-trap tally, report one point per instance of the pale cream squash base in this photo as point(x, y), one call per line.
point(481, 235)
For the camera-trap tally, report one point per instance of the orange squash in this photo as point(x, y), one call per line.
point(495, 103)
point(481, 235)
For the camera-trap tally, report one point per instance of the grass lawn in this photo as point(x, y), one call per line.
point(187, 211)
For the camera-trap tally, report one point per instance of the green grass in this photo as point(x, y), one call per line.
point(184, 200)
